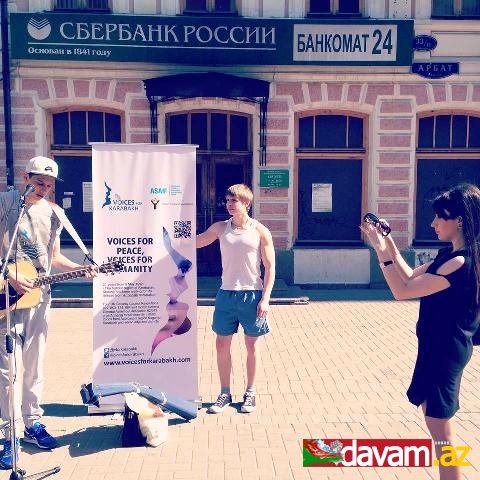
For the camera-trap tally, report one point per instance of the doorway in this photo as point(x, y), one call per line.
point(224, 158)
point(215, 173)
point(74, 195)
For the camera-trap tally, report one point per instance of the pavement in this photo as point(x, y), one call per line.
point(337, 367)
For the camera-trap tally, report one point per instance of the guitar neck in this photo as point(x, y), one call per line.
point(59, 277)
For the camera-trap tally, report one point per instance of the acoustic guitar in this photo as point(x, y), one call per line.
point(32, 298)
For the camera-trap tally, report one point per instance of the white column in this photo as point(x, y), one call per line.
point(375, 8)
point(250, 8)
point(274, 8)
point(170, 7)
point(144, 7)
point(401, 9)
point(39, 5)
point(296, 8)
point(120, 6)
point(423, 10)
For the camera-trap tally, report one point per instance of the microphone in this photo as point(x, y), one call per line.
point(28, 190)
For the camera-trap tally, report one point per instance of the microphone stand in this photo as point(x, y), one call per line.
point(17, 473)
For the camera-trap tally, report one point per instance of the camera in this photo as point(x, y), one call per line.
point(382, 227)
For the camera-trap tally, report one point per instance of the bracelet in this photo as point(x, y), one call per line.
point(386, 263)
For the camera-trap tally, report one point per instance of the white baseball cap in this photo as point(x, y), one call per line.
point(42, 166)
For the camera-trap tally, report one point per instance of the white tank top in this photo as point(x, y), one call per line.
point(241, 257)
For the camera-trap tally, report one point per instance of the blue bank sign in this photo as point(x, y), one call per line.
point(210, 40)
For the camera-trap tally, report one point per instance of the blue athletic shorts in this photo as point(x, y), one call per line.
point(234, 307)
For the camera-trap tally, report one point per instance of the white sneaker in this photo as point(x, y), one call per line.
point(223, 400)
point(248, 405)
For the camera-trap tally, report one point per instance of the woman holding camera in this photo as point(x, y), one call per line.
point(449, 292)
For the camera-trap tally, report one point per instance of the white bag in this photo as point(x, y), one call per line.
point(152, 420)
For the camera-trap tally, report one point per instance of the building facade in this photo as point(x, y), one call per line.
point(312, 103)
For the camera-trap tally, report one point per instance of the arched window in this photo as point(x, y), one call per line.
point(448, 153)
point(76, 129)
point(455, 8)
point(212, 131)
point(330, 131)
point(330, 160)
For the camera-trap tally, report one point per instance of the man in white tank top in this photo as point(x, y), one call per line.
point(243, 298)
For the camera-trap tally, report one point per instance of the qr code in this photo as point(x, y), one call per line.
point(182, 229)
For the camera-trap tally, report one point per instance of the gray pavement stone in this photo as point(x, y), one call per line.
point(338, 366)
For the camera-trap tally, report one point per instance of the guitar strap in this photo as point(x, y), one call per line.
point(70, 229)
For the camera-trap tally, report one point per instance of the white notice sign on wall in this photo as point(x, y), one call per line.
point(87, 196)
point(321, 197)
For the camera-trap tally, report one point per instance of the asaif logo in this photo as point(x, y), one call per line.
point(39, 29)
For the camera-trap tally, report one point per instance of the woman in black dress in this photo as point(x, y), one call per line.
point(449, 292)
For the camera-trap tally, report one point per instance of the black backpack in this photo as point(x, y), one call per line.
point(132, 435)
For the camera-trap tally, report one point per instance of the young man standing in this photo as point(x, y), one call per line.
point(37, 241)
point(243, 298)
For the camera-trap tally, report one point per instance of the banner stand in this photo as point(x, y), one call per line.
point(145, 317)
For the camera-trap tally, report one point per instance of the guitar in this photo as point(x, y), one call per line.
point(32, 298)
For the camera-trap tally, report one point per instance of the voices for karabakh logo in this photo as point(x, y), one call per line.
point(39, 29)
point(114, 202)
point(367, 452)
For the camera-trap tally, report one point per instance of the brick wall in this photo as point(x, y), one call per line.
point(32, 98)
point(392, 110)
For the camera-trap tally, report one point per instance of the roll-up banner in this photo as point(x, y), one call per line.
point(145, 317)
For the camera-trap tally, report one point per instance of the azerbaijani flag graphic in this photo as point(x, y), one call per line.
point(317, 453)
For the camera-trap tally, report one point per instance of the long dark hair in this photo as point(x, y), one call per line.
point(464, 201)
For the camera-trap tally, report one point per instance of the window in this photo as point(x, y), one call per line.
point(76, 129)
point(448, 153)
point(334, 7)
point(211, 131)
point(455, 8)
point(93, 5)
point(448, 132)
point(330, 157)
point(330, 132)
point(210, 6)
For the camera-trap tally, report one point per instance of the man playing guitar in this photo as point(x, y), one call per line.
point(38, 241)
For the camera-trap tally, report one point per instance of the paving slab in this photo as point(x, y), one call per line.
point(337, 367)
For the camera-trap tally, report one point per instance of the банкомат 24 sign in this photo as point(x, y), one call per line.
point(210, 40)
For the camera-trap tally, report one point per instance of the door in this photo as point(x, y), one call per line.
point(215, 173)
point(74, 194)
point(332, 218)
point(224, 158)
point(434, 176)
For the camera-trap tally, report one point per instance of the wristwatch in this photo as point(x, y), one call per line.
point(386, 263)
